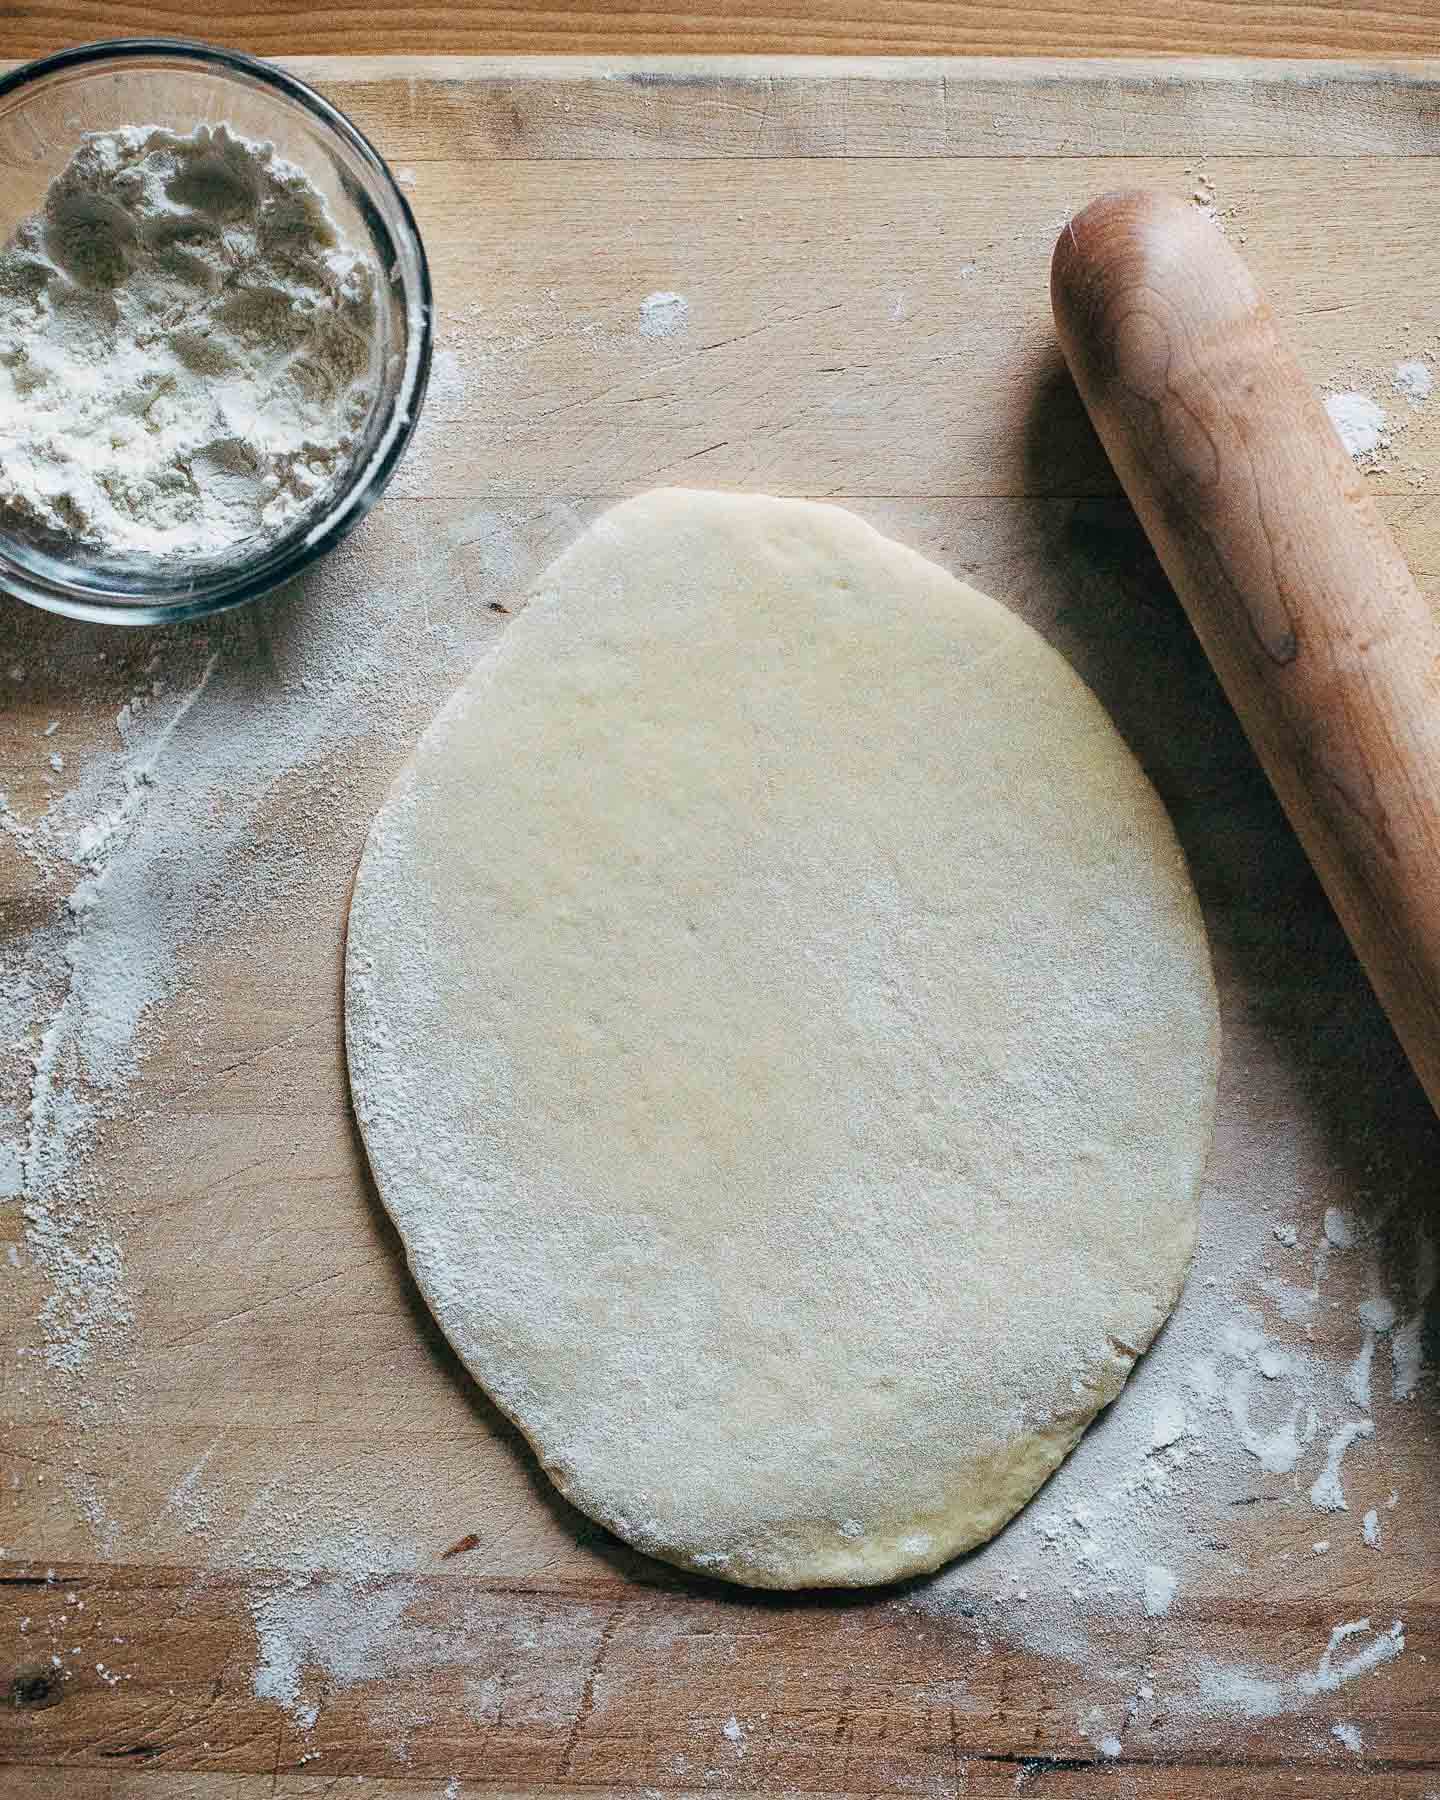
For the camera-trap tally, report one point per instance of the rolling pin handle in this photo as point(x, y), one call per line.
point(1327, 650)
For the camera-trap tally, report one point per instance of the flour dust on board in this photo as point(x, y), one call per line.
point(160, 852)
point(218, 783)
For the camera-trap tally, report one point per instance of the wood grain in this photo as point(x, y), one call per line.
point(859, 1697)
point(576, 109)
point(765, 27)
point(865, 255)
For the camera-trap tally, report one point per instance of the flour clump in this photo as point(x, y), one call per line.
point(186, 348)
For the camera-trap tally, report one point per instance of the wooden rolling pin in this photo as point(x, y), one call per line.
point(1327, 650)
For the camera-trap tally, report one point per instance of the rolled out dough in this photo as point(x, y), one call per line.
point(782, 1030)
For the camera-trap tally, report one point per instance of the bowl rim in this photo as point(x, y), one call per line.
point(216, 590)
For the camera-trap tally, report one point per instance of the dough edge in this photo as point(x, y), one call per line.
point(797, 1558)
point(993, 1488)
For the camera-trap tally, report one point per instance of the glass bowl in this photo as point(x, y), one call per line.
point(45, 109)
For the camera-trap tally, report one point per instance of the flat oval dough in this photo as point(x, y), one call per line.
point(782, 1030)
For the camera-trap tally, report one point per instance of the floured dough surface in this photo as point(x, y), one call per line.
point(782, 1030)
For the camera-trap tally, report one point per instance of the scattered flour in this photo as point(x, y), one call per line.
point(189, 1499)
point(1415, 381)
point(322, 1633)
point(663, 314)
point(1407, 1339)
point(1349, 1737)
point(1295, 1305)
point(449, 386)
point(1248, 1694)
point(1160, 1586)
point(1377, 1313)
point(340, 1602)
point(1383, 1647)
point(1370, 1529)
point(1357, 1376)
point(1361, 422)
point(1203, 196)
point(1169, 1424)
point(154, 850)
point(1340, 1229)
point(1160, 1485)
point(1229, 1380)
point(218, 767)
point(1326, 1492)
point(167, 842)
point(1405, 1352)
point(346, 1628)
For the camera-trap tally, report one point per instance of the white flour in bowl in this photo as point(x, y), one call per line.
point(185, 347)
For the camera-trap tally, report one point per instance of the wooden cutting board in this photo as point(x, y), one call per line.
point(253, 1485)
